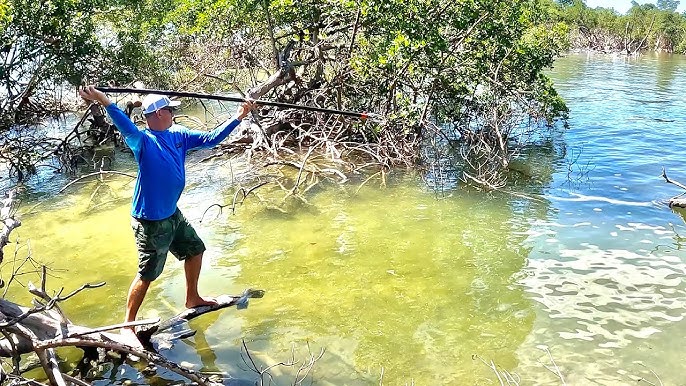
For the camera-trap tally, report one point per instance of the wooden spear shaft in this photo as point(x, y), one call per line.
point(183, 94)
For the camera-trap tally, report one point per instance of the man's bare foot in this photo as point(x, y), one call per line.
point(130, 338)
point(200, 301)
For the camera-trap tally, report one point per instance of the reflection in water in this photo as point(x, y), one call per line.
point(207, 356)
point(667, 72)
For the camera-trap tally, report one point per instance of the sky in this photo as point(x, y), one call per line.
point(623, 5)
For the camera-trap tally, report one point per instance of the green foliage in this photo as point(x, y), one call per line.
point(579, 15)
point(63, 41)
point(668, 5)
point(644, 27)
point(4, 14)
point(498, 39)
point(47, 46)
point(56, 33)
point(405, 59)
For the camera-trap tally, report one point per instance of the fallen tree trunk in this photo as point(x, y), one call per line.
point(43, 328)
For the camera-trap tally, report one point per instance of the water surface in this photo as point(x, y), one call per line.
point(399, 281)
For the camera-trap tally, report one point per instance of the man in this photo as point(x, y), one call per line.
point(159, 227)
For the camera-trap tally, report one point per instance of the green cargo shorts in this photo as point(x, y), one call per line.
point(156, 238)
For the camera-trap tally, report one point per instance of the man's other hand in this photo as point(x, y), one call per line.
point(245, 108)
point(90, 93)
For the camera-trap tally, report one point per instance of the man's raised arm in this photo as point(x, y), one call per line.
point(131, 133)
point(212, 138)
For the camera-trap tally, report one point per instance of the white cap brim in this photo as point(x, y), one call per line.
point(154, 102)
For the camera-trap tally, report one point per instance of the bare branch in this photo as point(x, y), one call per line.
point(100, 173)
point(148, 356)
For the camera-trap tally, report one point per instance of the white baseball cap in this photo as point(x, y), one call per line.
point(154, 102)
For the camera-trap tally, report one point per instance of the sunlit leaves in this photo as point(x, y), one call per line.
point(5, 18)
point(58, 32)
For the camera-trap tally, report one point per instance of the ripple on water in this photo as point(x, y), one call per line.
point(603, 299)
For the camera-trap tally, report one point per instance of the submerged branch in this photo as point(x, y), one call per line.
point(100, 173)
point(224, 301)
point(241, 190)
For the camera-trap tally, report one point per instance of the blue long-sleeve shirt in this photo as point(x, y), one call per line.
point(161, 156)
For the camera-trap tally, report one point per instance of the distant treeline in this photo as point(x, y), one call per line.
point(645, 27)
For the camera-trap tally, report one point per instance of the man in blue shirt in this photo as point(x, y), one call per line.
point(159, 227)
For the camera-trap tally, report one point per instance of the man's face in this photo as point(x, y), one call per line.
point(165, 115)
point(161, 119)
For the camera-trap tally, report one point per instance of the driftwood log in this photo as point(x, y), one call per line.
point(44, 327)
point(164, 333)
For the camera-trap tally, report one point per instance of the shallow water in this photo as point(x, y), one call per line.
point(397, 281)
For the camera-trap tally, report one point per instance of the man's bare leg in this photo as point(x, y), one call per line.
point(137, 291)
point(192, 266)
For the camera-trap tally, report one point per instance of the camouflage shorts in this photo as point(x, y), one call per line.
point(156, 238)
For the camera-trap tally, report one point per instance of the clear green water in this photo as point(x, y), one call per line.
point(399, 280)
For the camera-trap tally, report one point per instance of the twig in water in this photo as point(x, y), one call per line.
point(647, 381)
point(306, 367)
point(300, 172)
point(365, 181)
point(491, 366)
point(301, 374)
point(503, 375)
point(245, 192)
point(664, 175)
point(262, 372)
point(556, 369)
point(94, 174)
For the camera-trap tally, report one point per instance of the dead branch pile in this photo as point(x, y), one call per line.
point(281, 134)
point(44, 327)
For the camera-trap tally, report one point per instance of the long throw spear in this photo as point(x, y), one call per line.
point(183, 94)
